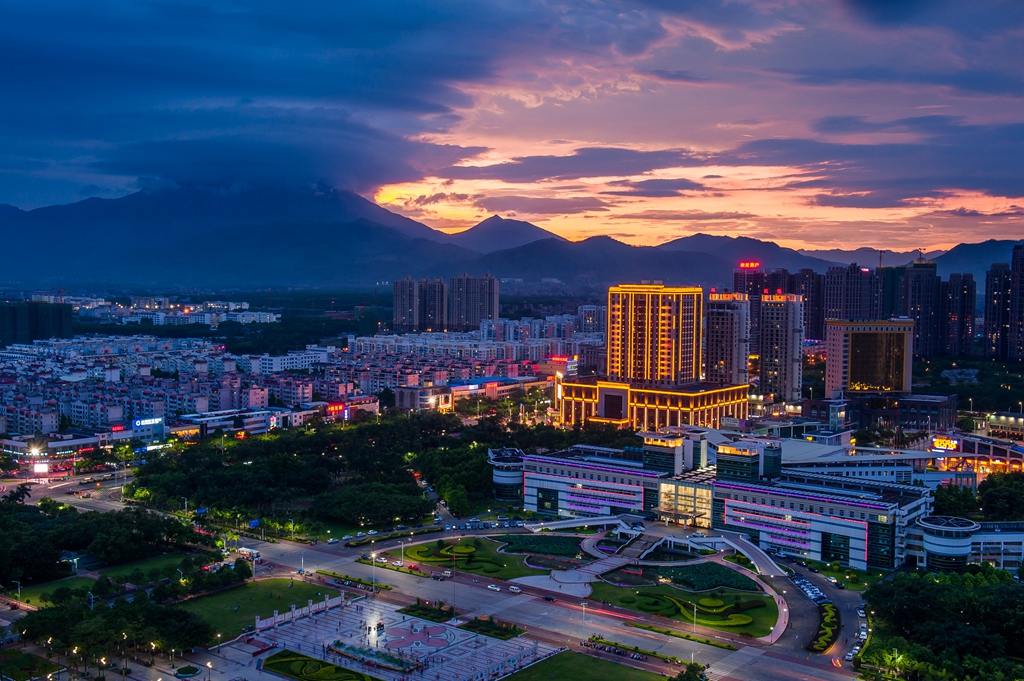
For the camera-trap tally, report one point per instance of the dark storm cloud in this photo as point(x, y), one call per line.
point(654, 188)
point(585, 162)
point(539, 205)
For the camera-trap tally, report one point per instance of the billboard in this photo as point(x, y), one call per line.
point(41, 468)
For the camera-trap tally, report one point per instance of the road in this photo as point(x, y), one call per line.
point(560, 622)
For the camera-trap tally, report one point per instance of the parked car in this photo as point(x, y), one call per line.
point(372, 532)
point(493, 587)
point(397, 563)
point(550, 599)
point(849, 656)
point(333, 540)
point(346, 537)
point(515, 589)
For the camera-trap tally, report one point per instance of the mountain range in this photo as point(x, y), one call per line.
point(194, 236)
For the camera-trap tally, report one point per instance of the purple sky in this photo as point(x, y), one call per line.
point(815, 124)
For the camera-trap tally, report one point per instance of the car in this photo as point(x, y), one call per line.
point(413, 567)
point(365, 556)
point(493, 587)
point(549, 599)
point(437, 521)
point(474, 520)
point(855, 649)
point(439, 578)
point(813, 569)
point(360, 534)
point(863, 626)
point(333, 540)
point(833, 580)
point(401, 527)
point(840, 585)
point(697, 535)
point(849, 656)
point(417, 526)
point(388, 529)
point(346, 537)
point(397, 563)
point(382, 559)
point(802, 563)
point(863, 636)
point(861, 613)
point(447, 528)
point(515, 589)
point(519, 523)
point(447, 573)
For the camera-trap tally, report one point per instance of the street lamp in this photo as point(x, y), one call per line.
point(209, 670)
point(584, 604)
point(218, 643)
point(373, 572)
point(302, 562)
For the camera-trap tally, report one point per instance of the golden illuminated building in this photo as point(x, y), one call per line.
point(647, 407)
point(654, 333)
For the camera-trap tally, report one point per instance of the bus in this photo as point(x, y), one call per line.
point(251, 554)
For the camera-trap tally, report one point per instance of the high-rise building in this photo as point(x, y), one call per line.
point(25, 322)
point(727, 339)
point(920, 300)
point(810, 286)
point(998, 292)
point(782, 334)
point(1015, 337)
point(890, 279)
point(433, 305)
point(654, 333)
point(752, 281)
point(471, 300)
point(593, 318)
point(960, 296)
point(420, 305)
point(868, 357)
point(852, 292)
point(406, 305)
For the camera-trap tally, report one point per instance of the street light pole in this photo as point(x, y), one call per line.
point(584, 636)
point(373, 573)
point(302, 559)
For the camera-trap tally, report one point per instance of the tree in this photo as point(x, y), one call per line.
point(955, 500)
point(242, 568)
point(19, 494)
point(693, 671)
point(386, 398)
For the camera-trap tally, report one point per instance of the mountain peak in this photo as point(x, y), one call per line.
point(497, 234)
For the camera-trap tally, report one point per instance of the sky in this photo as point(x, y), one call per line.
point(814, 124)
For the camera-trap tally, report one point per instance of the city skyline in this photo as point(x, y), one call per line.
point(814, 125)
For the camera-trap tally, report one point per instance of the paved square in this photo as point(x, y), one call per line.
point(443, 652)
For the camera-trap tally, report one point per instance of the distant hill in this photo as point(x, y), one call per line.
point(733, 250)
point(975, 258)
point(868, 257)
point(497, 234)
point(602, 260)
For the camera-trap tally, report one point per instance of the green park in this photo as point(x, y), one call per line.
point(474, 555)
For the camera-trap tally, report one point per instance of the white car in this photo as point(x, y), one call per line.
point(360, 534)
point(333, 540)
point(493, 587)
point(372, 532)
point(397, 563)
point(346, 537)
point(855, 649)
point(863, 636)
point(515, 589)
point(849, 656)
point(382, 560)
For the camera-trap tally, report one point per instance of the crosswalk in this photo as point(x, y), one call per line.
point(727, 665)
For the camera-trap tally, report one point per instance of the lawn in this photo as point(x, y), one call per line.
point(488, 626)
point(534, 543)
point(471, 554)
point(730, 610)
point(864, 579)
point(429, 612)
point(32, 594)
point(703, 576)
point(20, 666)
point(166, 564)
point(231, 611)
point(303, 668)
point(570, 665)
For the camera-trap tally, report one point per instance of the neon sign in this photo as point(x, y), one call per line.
point(946, 444)
point(749, 265)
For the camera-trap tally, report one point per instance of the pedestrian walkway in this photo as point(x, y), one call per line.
point(639, 546)
point(727, 665)
point(444, 651)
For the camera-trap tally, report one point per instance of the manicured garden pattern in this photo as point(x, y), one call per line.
point(740, 612)
point(489, 626)
point(828, 629)
point(435, 612)
point(233, 610)
point(680, 634)
point(304, 668)
point(476, 555)
point(703, 576)
point(544, 545)
point(572, 665)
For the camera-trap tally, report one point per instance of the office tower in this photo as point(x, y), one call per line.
point(406, 305)
point(592, 318)
point(654, 333)
point(25, 322)
point(920, 291)
point(998, 291)
point(1015, 337)
point(433, 305)
point(852, 292)
point(868, 357)
point(782, 334)
point(727, 339)
point(960, 296)
point(752, 281)
point(810, 286)
point(889, 279)
point(471, 300)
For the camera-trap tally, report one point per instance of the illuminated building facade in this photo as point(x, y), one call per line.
point(727, 339)
point(868, 357)
point(646, 407)
point(782, 336)
point(654, 333)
